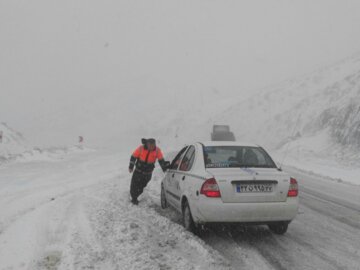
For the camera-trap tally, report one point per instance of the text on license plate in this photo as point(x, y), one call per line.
point(250, 188)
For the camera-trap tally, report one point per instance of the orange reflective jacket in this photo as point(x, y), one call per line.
point(147, 156)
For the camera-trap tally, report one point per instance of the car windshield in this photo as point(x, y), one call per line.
point(237, 157)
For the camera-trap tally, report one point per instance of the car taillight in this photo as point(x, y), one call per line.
point(293, 189)
point(210, 189)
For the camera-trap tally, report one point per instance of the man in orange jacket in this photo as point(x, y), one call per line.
point(143, 159)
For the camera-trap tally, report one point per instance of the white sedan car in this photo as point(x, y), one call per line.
point(229, 182)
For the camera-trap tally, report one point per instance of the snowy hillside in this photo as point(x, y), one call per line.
point(316, 117)
point(12, 143)
point(14, 147)
point(326, 99)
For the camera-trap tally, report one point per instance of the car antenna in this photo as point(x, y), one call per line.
point(287, 146)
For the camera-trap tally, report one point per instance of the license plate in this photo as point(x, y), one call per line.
point(254, 188)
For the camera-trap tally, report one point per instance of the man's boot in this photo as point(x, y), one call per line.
point(135, 201)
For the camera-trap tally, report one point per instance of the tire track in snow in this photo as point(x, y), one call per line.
point(282, 252)
point(320, 196)
point(291, 251)
point(309, 247)
point(264, 242)
point(338, 212)
point(83, 248)
point(241, 256)
point(5, 224)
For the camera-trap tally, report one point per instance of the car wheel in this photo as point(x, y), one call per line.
point(187, 218)
point(164, 203)
point(279, 228)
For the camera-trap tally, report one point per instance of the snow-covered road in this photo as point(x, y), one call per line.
point(75, 214)
point(325, 234)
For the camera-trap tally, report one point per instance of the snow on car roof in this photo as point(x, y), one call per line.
point(227, 143)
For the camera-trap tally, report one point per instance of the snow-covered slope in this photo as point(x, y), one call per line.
point(14, 147)
point(313, 118)
point(327, 100)
point(12, 142)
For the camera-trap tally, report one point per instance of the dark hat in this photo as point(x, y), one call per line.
point(151, 141)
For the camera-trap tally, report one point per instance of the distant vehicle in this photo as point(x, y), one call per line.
point(229, 182)
point(222, 133)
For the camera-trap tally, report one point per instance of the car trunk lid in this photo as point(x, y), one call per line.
point(239, 185)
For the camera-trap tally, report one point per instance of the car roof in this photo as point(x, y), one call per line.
point(228, 143)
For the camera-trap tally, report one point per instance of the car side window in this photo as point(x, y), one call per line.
point(260, 157)
point(188, 160)
point(176, 161)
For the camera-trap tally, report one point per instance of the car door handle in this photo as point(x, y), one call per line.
point(183, 178)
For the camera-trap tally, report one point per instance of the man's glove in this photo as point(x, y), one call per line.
point(132, 164)
point(164, 165)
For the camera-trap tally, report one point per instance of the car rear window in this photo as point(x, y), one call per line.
point(237, 157)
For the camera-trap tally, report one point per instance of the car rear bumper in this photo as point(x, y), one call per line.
point(213, 210)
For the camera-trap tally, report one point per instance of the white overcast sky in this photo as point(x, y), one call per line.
point(55, 51)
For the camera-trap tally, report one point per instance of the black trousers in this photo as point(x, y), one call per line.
point(138, 182)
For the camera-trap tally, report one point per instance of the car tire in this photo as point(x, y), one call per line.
point(187, 218)
point(279, 228)
point(164, 203)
